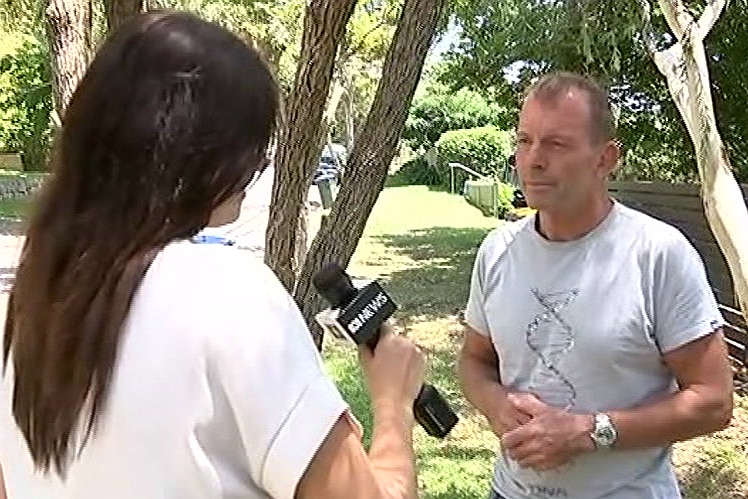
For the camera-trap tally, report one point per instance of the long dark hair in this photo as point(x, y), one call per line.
point(172, 118)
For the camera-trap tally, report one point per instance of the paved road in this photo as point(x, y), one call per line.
point(249, 229)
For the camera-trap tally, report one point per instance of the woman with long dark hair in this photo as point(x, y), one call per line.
point(141, 362)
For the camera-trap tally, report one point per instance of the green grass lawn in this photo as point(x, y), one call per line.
point(421, 244)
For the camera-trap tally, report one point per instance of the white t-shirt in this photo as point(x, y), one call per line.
point(583, 324)
point(218, 391)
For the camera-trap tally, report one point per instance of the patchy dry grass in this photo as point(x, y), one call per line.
point(716, 467)
point(421, 244)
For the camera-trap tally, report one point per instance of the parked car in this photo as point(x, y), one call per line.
point(329, 172)
point(519, 200)
point(331, 163)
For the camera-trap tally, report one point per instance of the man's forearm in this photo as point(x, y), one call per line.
point(681, 416)
point(391, 453)
point(480, 385)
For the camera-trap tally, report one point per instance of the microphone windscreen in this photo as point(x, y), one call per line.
point(334, 285)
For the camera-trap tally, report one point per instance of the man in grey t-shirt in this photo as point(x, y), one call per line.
point(594, 341)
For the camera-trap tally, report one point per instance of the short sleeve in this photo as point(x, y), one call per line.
point(475, 315)
point(283, 402)
point(685, 308)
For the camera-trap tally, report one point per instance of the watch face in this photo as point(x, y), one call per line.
point(605, 433)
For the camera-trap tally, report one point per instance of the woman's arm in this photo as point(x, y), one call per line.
point(3, 493)
point(342, 469)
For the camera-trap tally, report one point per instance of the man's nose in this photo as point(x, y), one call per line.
point(535, 157)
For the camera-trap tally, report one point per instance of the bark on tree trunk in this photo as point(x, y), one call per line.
point(117, 11)
point(373, 151)
point(68, 29)
point(299, 142)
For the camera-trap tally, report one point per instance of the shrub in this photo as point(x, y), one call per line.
point(441, 109)
point(484, 149)
point(505, 196)
point(25, 98)
point(415, 172)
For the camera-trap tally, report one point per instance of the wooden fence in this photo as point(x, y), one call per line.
point(681, 206)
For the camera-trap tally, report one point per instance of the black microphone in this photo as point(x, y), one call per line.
point(357, 315)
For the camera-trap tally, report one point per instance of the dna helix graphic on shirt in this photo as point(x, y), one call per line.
point(551, 338)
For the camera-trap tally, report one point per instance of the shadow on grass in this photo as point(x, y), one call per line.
point(437, 285)
point(455, 451)
point(430, 290)
point(449, 476)
point(341, 362)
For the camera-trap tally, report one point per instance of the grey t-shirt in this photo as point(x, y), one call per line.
point(583, 324)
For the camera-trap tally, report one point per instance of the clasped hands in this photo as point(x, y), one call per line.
point(539, 436)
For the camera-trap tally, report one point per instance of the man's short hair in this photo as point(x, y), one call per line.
point(554, 85)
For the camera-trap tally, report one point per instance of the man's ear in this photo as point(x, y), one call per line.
point(609, 157)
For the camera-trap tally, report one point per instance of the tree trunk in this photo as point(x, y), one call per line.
point(724, 205)
point(373, 151)
point(299, 144)
point(69, 35)
point(117, 11)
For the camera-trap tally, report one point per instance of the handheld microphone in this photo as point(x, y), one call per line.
point(357, 315)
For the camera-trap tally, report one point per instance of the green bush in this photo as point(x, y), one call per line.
point(415, 172)
point(505, 196)
point(440, 109)
point(25, 98)
point(484, 149)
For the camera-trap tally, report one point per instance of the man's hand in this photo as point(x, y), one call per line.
point(550, 439)
point(515, 411)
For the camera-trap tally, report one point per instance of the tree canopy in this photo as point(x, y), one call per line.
point(504, 45)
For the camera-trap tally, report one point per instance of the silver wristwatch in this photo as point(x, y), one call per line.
point(604, 435)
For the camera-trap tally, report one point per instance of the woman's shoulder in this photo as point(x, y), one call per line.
point(215, 263)
point(211, 277)
point(216, 288)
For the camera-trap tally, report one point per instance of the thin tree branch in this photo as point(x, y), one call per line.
point(360, 45)
point(647, 36)
point(710, 15)
point(677, 17)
